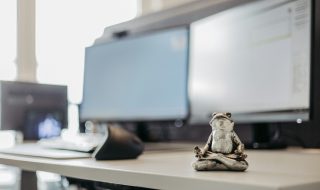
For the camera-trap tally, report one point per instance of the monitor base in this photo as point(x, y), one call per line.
point(266, 145)
point(265, 138)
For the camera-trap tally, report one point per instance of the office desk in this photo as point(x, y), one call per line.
point(289, 169)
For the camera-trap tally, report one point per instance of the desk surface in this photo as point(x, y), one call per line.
point(289, 169)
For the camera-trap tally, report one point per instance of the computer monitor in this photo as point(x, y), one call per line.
point(137, 79)
point(254, 61)
point(37, 110)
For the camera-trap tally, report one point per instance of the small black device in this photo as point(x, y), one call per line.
point(119, 144)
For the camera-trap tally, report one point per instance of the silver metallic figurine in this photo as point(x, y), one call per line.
point(224, 150)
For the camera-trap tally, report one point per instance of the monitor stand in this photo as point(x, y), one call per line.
point(153, 132)
point(142, 131)
point(264, 139)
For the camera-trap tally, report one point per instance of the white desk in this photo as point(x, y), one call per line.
point(290, 169)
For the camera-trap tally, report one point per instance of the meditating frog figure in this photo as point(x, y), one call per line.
point(223, 150)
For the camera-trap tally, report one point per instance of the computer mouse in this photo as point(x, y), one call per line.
point(119, 144)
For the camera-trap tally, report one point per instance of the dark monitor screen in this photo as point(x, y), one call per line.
point(254, 61)
point(38, 110)
point(142, 78)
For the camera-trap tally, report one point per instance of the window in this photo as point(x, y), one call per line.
point(8, 39)
point(64, 29)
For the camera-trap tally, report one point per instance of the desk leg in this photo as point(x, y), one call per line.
point(28, 180)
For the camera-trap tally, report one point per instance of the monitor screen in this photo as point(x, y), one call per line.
point(142, 78)
point(254, 61)
point(37, 110)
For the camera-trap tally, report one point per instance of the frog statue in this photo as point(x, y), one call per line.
point(224, 150)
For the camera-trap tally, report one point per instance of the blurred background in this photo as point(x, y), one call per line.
point(48, 43)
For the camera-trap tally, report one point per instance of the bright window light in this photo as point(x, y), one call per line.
point(64, 29)
point(8, 22)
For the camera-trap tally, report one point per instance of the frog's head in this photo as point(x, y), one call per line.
point(221, 121)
